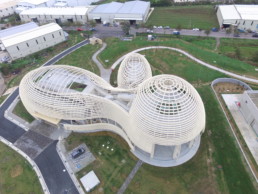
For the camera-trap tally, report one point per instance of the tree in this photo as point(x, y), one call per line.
point(238, 54)
point(178, 27)
point(207, 32)
point(92, 23)
point(255, 57)
point(126, 28)
point(228, 31)
point(5, 69)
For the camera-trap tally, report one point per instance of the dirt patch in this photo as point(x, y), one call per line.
point(230, 88)
point(16, 171)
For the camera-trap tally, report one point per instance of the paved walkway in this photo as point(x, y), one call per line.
point(130, 177)
point(242, 77)
point(104, 73)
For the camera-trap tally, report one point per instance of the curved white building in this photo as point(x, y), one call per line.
point(161, 120)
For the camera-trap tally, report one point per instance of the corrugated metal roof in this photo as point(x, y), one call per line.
point(237, 12)
point(30, 34)
point(17, 29)
point(34, 2)
point(56, 11)
point(138, 7)
point(112, 7)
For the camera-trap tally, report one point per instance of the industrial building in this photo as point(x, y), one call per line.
point(58, 15)
point(134, 12)
point(161, 117)
point(73, 3)
point(30, 41)
point(7, 7)
point(249, 108)
point(28, 4)
point(244, 17)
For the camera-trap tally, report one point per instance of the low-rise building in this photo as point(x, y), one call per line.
point(56, 14)
point(244, 17)
point(134, 12)
point(7, 7)
point(73, 3)
point(28, 4)
point(27, 42)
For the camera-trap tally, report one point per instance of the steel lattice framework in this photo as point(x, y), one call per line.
point(160, 117)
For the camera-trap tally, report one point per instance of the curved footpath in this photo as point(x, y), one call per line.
point(48, 165)
point(191, 57)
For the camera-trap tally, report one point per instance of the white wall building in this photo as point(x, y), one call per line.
point(56, 14)
point(132, 11)
point(182, 1)
point(7, 7)
point(73, 3)
point(28, 4)
point(27, 42)
point(245, 17)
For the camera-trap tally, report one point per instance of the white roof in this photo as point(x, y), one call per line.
point(7, 3)
point(237, 12)
point(30, 34)
point(138, 7)
point(34, 2)
point(90, 181)
point(17, 29)
point(56, 11)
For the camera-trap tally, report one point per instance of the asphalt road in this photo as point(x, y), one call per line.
point(49, 162)
point(53, 170)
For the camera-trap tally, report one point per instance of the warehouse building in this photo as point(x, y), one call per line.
point(58, 15)
point(28, 4)
point(134, 12)
point(244, 17)
point(7, 7)
point(27, 42)
point(249, 108)
point(73, 3)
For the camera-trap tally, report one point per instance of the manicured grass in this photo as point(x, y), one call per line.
point(82, 58)
point(111, 167)
point(203, 17)
point(117, 48)
point(248, 48)
point(2, 98)
point(16, 174)
point(21, 112)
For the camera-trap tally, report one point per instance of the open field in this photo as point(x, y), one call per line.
point(82, 58)
point(21, 112)
point(16, 174)
point(188, 17)
point(111, 167)
point(120, 48)
point(248, 49)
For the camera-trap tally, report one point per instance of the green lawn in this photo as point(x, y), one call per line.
point(16, 174)
point(21, 112)
point(203, 17)
point(248, 49)
point(117, 48)
point(2, 98)
point(111, 167)
point(82, 58)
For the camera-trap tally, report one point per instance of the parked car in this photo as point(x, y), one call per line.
point(149, 31)
point(160, 27)
point(255, 35)
point(79, 29)
point(166, 27)
point(92, 29)
point(236, 35)
point(214, 29)
point(76, 153)
point(196, 29)
point(154, 27)
point(176, 32)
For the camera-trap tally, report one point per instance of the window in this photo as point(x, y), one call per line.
point(81, 16)
point(244, 23)
point(37, 42)
point(60, 33)
point(27, 45)
point(53, 36)
point(236, 22)
point(17, 48)
point(252, 23)
point(44, 38)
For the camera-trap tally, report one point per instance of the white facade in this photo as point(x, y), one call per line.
point(7, 7)
point(161, 119)
point(56, 14)
point(132, 11)
point(182, 1)
point(245, 17)
point(28, 4)
point(31, 41)
point(249, 108)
